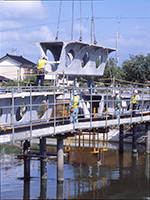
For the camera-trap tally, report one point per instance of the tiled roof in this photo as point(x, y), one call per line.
point(19, 59)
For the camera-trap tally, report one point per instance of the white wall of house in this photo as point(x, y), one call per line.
point(9, 69)
point(12, 70)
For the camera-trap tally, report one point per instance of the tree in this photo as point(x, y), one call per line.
point(110, 71)
point(137, 68)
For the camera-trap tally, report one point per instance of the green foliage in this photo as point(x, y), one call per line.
point(9, 149)
point(82, 84)
point(135, 69)
point(25, 82)
point(48, 83)
point(110, 71)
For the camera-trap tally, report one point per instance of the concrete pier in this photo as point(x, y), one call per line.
point(26, 152)
point(43, 157)
point(60, 160)
point(59, 190)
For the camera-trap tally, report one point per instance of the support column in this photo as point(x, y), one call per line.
point(26, 152)
point(134, 139)
point(42, 158)
point(60, 160)
point(147, 140)
point(43, 190)
point(59, 190)
point(26, 191)
point(121, 139)
point(121, 168)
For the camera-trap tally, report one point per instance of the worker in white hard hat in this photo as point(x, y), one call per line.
point(74, 107)
point(117, 105)
point(134, 102)
point(40, 70)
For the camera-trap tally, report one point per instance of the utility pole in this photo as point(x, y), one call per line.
point(117, 49)
point(92, 21)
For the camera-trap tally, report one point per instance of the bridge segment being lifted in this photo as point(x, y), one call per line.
point(75, 58)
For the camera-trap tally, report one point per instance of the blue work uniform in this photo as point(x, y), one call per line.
point(74, 102)
point(40, 72)
point(117, 107)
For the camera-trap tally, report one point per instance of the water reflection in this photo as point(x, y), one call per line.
point(26, 194)
point(59, 190)
point(107, 175)
point(43, 189)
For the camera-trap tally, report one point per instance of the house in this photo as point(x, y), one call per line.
point(15, 67)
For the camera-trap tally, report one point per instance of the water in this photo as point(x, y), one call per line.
point(107, 175)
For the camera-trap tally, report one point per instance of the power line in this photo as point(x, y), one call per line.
point(63, 21)
point(23, 27)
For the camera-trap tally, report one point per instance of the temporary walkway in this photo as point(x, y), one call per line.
point(26, 114)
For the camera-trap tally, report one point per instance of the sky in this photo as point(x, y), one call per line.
point(22, 22)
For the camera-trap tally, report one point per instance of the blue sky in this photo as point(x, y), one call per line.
point(22, 22)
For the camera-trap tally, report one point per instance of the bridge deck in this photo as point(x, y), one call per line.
point(25, 132)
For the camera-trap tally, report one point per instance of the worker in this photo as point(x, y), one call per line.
point(74, 107)
point(134, 102)
point(40, 71)
point(117, 105)
point(90, 81)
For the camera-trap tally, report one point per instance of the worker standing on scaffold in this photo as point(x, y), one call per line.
point(74, 107)
point(40, 71)
point(134, 102)
point(90, 81)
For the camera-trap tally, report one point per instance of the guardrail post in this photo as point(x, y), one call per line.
point(121, 139)
point(60, 160)
point(30, 112)
point(91, 107)
point(12, 115)
point(134, 138)
point(42, 159)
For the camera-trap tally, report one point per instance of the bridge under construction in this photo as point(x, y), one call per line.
point(26, 113)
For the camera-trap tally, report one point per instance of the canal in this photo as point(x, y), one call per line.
point(107, 175)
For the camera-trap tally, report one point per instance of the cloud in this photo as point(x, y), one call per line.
point(77, 28)
point(10, 36)
point(43, 34)
point(22, 9)
point(136, 37)
point(9, 24)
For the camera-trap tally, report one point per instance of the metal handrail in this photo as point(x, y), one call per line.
point(15, 90)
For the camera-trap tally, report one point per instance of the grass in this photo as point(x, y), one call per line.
point(9, 149)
